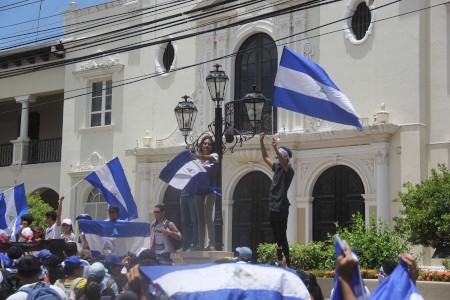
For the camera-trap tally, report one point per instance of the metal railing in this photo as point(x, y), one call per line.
point(42, 151)
point(6, 154)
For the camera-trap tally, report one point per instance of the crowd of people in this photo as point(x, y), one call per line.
point(78, 273)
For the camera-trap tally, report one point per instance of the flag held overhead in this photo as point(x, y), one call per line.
point(303, 86)
point(111, 181)
point(185, 173)
point(13, 204)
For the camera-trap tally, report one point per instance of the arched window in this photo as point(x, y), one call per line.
point(96, 205)
point(256, 64)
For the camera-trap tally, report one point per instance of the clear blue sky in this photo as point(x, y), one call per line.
point(19, 19)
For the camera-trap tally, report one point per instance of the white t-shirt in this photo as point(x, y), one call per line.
point(19, 295)
point(26, 232)
point(53, 232)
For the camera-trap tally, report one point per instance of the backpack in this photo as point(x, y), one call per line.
point(177, 244)
point(70, 293)
point(40, 291)
point(9, 285)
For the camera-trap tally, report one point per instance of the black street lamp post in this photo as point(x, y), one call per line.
point(186, 112)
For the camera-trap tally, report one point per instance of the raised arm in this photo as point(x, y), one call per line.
point(264, 154)
point(284, 161)
point(59, 211)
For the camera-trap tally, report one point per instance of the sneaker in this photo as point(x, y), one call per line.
point(195, 248)
point(209, 248)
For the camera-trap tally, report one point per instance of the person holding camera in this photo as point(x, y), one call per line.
point(162, 231)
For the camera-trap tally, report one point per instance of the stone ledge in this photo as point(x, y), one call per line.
point(199, 257)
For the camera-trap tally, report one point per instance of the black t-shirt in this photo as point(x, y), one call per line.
point(281, 181)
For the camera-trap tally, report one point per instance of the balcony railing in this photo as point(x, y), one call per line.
point(42, 151)
point(6, 154)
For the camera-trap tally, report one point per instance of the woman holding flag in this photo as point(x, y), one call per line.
point(204, 198)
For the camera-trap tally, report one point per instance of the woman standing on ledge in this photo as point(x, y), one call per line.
point(204, 199)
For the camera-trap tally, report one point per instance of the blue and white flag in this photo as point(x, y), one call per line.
point(185, 173)
point(111, 181)
point(13, 204)
point(358, 284)
point(115, 237)
point(397, 285)
point(303, 86)
point(227, 281)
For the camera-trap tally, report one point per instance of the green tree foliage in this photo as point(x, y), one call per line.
point(38, 208)
point(425, 215)
point(373, 243)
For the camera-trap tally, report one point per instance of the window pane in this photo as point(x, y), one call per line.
point(97, 89)
point(108, 118)
point(96, 120)
point(96, 104)
point(108, 102)
point(108, 87)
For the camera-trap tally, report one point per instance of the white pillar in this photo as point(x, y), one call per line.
point(25, 101)
point(292, 220)
point(381, 155)
point(144, 184)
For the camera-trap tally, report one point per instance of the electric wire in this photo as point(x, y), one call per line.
point(152, 75)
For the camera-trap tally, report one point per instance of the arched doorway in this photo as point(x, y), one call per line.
point(337, 196)
point(251, 224)
point(171, 202)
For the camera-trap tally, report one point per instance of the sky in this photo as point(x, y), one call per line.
point(20, 17)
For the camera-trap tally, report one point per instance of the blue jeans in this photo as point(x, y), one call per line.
point(189, 223)
point(204, 205)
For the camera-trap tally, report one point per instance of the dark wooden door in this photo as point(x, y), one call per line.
point(172, 204)
point(251, 224)
point(337, 196)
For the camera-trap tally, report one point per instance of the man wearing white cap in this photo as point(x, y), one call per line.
point(278, 200)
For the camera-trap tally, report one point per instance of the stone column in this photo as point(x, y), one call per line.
point(21, 145)
point(381, 155)
point(143, 187)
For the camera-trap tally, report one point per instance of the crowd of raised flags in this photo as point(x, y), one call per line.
point(300, 86)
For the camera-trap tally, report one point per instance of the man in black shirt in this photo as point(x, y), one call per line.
point(278, 200)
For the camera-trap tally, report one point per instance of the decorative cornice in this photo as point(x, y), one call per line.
point(247, 155)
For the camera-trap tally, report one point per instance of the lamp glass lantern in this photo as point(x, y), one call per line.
point(185, 112)
point(217, 82)
point(254, 103)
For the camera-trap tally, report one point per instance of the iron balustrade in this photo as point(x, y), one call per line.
point(6, 154)
point(43, 151)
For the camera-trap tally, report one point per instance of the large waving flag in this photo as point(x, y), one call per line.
point(116, 237)
point(13, 204)
point(357, 281)
point(111, 181)
point(303, 86)
point(227, 281)
point(185, 173)
point(397, 285)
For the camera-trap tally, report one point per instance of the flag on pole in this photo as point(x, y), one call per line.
point(303, 86)
point(111, 181)
point(397, 285)
point(185, 173)
point(227, 281)
point(13, 204)
point(358, 284)
point(115, 237)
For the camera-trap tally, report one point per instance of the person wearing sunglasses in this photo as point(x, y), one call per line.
point(162, 231)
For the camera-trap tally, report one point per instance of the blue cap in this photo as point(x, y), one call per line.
point(84, 217)
point(44, 254)
point(111, 260)
point(74, 261)
point(245, 252)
